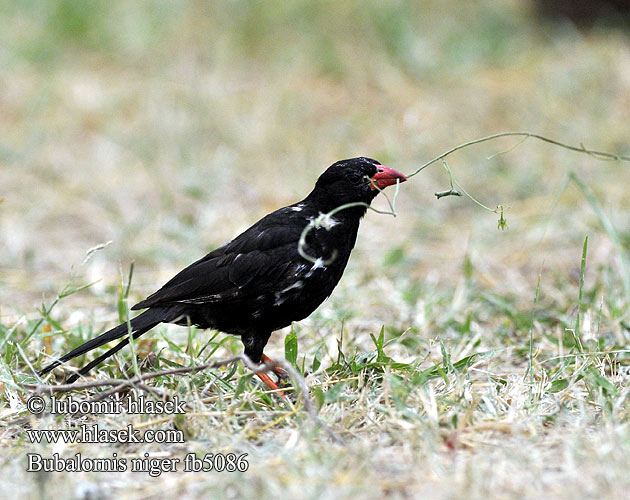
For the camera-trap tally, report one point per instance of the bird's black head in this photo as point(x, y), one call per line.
point(353, 180)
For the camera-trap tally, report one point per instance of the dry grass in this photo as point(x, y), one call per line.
point(167, 127)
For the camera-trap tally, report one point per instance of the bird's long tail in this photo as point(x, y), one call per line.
point(139, 325)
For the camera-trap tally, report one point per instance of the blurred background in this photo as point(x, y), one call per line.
point(166, 127)
point(160, 129)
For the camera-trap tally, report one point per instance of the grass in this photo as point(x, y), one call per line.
point(454, 359)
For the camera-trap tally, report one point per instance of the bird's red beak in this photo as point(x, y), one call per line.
point(386, 177)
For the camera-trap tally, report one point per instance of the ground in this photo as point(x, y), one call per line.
point(456, 360)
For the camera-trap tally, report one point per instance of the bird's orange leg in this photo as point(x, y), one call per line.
point(266, 379)
point(281, 372)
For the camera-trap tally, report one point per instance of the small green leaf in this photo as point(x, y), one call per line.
point(502, 224)
point(394, 257)
point(320, 397)
point(558, 385)
point(126, 294)
point(576, 331)
point(242, 384)
point(446, 358)
point(65, 293)
point(334, 392)
point(123, 310)
point(230, 372)
point(599, 381)
point(291, 347)
point(317, 358)
point(381, 357)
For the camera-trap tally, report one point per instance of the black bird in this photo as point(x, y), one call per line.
point(264, 279)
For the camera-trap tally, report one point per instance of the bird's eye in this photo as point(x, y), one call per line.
point(355, 177)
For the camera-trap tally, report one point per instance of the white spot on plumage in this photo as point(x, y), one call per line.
point(281, 295)
point(323, 221)
point(203, 299)
point(329, 222)
point(298, 208)
point(319, 264)
point(297, 284)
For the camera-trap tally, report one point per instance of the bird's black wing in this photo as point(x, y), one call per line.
point(252, 263)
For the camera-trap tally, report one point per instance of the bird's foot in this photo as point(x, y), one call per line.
point(279, 371)
point(268, 381)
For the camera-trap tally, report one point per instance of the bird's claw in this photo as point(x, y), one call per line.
point(280, 372)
